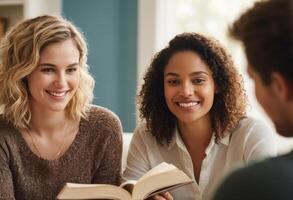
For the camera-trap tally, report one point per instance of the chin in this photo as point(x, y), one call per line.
point(58, 108)
point(187, 120)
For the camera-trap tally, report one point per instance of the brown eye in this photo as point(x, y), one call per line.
point(173, 82)
point(198, 81)
point(47, 70)
point(71, 70)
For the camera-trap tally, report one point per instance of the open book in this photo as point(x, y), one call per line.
point(161, 178)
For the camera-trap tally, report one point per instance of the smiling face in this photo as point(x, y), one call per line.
point(189, 87)
point(55, 80)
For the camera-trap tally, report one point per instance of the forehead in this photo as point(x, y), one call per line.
point(60, 50)
point(186, 61)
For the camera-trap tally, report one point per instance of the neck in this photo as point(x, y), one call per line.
point(197, 133)
point(290, 109)
point(48, 123)
point(284, 124)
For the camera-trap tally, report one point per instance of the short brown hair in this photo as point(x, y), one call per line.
point(266, 32)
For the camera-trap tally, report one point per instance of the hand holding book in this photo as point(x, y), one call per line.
point(158, 180)
point(162, 196)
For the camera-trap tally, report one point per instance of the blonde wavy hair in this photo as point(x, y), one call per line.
point(20, 51)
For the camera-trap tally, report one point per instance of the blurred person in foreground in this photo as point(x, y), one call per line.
point(266, 33)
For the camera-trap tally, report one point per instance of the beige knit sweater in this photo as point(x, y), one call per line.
point(93, 157)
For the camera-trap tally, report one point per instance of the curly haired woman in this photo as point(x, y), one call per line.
point(194, 106)
point(50, 134)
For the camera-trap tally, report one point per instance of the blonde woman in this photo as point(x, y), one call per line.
point(49, 132)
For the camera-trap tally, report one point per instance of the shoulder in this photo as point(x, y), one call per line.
point(6, 129)
point(254, 139)
point(3, 123)
point(101, 112)
point(142, 138)
point(283, 165)
point(102, 116)
point(272, 169)
point(141, 133)
point(250, 127)
point(259, 171)
point(103, 120)
point(259, 180)
point(239, 184)
point(8, 139)
point(251, 123)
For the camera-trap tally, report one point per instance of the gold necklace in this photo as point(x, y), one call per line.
point(38, 151)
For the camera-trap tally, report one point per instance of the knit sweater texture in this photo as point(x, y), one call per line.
point(93, 157)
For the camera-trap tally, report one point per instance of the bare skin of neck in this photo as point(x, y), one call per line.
point(196, 137)
point(51, 134)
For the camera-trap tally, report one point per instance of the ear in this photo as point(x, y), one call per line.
point(281, 86)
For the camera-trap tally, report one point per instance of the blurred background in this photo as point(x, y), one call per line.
point(123, 36)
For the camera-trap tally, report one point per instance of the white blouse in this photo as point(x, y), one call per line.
point(251, 140)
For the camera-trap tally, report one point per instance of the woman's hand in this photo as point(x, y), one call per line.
point(162, 196)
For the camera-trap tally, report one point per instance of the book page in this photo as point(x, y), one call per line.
point(161, 178)
point(93, 191)
point(163, 167)
point(166, 189)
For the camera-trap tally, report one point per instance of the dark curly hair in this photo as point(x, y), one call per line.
point(229, 103)
point(266, 31)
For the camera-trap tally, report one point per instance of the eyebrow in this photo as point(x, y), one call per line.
point(52, 65)
point(192, 74)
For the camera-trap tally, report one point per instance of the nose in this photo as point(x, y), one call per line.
point(187, 89)
point(60, 80)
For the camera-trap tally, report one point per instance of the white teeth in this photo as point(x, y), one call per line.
point(57, 94)
point(188, 105)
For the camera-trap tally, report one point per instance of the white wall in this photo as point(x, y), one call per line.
point(155, 29)
point(33, 8)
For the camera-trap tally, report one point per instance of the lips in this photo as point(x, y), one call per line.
point(57, 94)
point(188, 104)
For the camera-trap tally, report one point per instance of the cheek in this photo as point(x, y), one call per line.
point(169, 95)
point(74, 81)
point(209, 93)
point(35, 82)
point(264, 99)
point(258, 94)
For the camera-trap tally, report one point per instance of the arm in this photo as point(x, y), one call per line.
point(109, 171)
point(6, 181)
